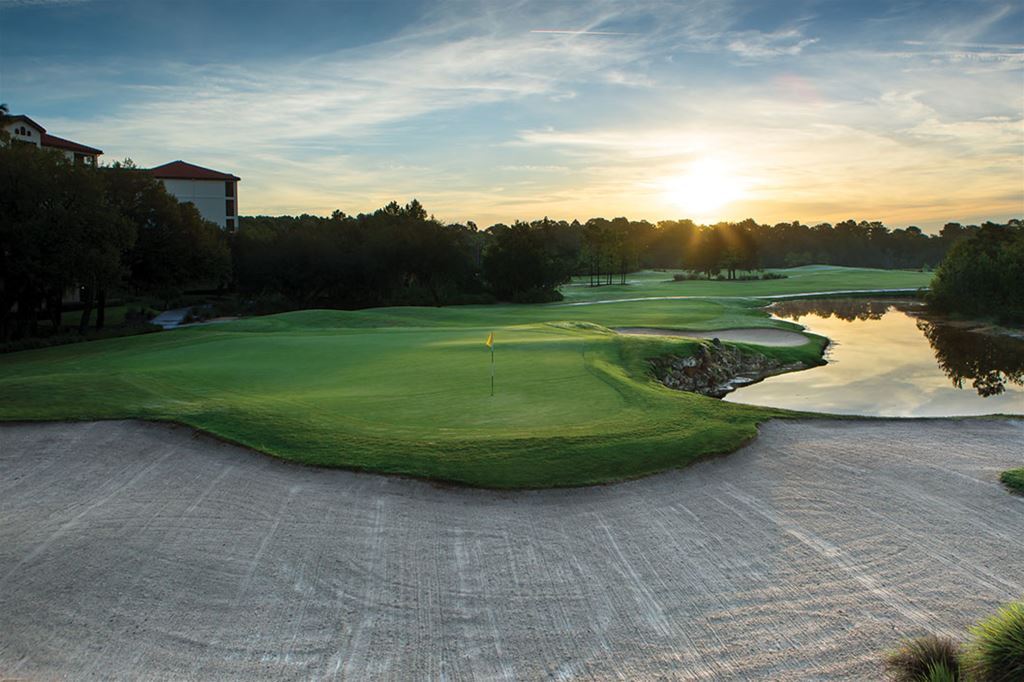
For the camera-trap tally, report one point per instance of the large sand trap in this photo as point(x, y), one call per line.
point(138, 551)
point(759, 335)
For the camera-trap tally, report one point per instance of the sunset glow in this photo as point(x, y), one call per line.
point(705, 190)
point(493, 113)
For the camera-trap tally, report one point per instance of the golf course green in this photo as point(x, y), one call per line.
point(407, 390)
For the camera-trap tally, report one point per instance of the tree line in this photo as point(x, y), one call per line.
point(70, 231)
point(70, 228)
point(399, 255)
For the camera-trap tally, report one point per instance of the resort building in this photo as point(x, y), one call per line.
point(24, 130)
point(214, 193)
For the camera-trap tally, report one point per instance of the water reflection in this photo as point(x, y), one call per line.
point(988, 361)
point(848, 309)
point(891, 358)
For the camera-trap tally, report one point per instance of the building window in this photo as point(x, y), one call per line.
point(229, 189)
point(229, 207)
point(231, 224)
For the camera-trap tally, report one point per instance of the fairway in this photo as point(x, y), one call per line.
point(406, 390)
point(806, 279)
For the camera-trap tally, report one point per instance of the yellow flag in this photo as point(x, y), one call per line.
point(490, 340)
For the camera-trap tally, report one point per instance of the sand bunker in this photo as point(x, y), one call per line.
point(760, 336)
point(141, 551)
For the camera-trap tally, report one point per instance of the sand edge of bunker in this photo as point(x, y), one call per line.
point(761, 336)
point(199, 433)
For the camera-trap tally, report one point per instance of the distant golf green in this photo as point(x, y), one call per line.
point(807, 279)
point(406, 390)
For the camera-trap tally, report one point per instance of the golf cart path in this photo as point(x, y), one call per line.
point(136, 551)
point(762, 336)
point(171, 319)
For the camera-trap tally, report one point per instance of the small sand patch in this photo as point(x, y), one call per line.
point(762, 337)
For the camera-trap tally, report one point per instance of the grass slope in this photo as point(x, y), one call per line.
point(406, 390)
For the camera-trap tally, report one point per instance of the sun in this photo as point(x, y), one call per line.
point(706, 187)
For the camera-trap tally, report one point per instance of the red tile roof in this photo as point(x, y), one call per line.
point(179, 170)
point(48, 140)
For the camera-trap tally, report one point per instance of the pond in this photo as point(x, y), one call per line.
point(891, 358)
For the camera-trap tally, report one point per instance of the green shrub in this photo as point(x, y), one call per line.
point(925, 659)
point(941, 672)
point(1013, 479)
point(996, 650)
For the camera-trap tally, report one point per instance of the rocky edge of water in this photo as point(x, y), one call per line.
point(715, 370)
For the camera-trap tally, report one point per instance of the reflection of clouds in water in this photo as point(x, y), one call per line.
point(888, 359)
point(942, 403)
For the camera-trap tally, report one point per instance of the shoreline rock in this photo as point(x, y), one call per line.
point(716, 370)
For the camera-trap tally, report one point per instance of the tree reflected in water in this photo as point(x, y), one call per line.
point(848, 309)
point(987, 361)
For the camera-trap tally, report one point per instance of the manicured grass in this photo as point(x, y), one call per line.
point(810, 278)
point(406, 390)
point(1013, 479)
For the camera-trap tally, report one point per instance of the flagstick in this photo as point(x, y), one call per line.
point(492, 369)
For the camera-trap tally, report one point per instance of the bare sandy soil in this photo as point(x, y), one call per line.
point(140, 551)
point(760, 336)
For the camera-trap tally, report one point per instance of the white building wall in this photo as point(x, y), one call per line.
point(34, 134)
point(209, 196)
point(75, 157)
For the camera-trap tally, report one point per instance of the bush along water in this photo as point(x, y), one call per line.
point(983, 275)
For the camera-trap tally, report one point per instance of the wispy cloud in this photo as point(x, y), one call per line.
point(757, 45)
point(971, 46)
point(493, 111)
point(580, 32)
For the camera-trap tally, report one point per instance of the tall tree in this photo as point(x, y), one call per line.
point(983, 274)
point(176, 247)
point(57, 230)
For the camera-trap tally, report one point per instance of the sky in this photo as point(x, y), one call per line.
point(911, 113)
